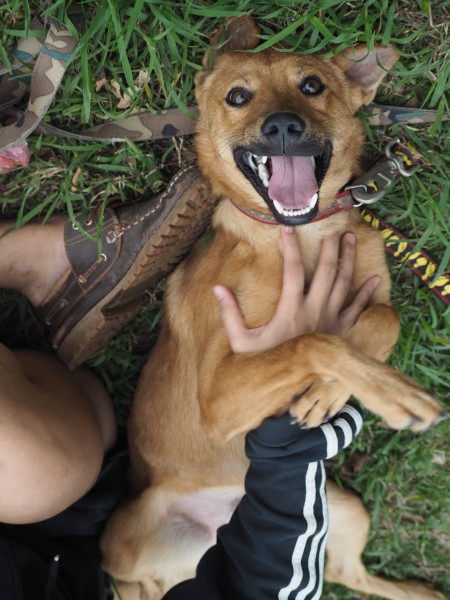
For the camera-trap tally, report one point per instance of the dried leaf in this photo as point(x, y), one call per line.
point(100, 84)
point(124, 99)
point(142, 79)
point(75, 179)
point(413, 518)
point(357, 460)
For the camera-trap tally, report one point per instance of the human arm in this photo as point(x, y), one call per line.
point(274, 544)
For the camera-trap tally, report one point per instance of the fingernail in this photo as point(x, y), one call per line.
point(289, 229)
point(376, 281)
point(218, 293)
point(351, 238)
point(445, 414)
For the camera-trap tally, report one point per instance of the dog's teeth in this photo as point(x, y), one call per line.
point(257, 165)
point(313, 163)
point(297, 212)
point(263, 174)
point(313, 201)
point(259, 159)
point(278, 207)
point(249, 159)
point(263, 171)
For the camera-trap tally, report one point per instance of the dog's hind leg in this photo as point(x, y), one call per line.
point(349, 530)
point(124, 544)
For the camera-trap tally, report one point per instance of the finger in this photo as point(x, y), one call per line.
point(232, 319)
point(343, 281)
point(293, 273)
point(350, 315)
point(325, 273)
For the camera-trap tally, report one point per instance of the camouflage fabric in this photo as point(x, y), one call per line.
point(390, 115)
point(47, 75)
point(14, 85)
point(145, 126)
point(27, 49)
point(51, 57)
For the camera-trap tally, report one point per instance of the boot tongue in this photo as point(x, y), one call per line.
point(293, 182)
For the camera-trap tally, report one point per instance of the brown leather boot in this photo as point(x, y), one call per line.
point(139, 245)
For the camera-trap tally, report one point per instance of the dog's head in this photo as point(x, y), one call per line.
point(278, 128)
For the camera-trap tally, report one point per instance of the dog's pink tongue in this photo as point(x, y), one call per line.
point(293, 182)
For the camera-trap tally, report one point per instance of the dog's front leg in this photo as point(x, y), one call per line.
point(375, 334)
point(376, 331)
point(240, 390)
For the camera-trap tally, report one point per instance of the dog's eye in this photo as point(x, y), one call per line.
point(238, 97)
point(311, 86)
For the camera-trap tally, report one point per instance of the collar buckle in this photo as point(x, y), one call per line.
point(372, 186)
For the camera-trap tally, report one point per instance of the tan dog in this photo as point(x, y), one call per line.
point(196, 399)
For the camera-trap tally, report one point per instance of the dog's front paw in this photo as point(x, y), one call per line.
point(322, 400)
point(398, 399)
point(410, 407)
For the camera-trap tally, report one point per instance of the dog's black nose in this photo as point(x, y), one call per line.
point(283, 130)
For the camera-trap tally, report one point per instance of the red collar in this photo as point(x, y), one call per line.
point(344, 201)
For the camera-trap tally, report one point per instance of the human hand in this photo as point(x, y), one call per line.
point(320, 309)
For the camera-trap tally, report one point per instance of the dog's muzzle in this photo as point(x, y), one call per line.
point(286, 167)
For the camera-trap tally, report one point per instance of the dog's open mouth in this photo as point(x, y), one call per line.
point(289, 184)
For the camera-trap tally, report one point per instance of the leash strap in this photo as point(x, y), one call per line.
point(137, 128)
point(378, 114)
point(51, 64)
point(420, 262)
point(51, 56)
point(400, 160)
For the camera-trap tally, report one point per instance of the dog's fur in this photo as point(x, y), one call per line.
point(196, 399)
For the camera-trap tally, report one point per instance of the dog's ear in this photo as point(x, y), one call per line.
point(239, 33)
point(365, 69)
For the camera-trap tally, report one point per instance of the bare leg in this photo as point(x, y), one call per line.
point(55, 424)
point(32, 258)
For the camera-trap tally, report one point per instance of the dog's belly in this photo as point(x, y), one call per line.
point(198, 515)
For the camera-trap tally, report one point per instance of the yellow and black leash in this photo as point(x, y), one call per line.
point(400, 160)
point(419, 261)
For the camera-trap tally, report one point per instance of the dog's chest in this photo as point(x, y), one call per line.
point(258, 293)
point(259, 285)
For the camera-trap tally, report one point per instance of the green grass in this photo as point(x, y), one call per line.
point(403, 481)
